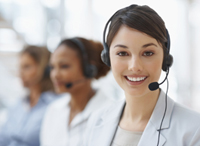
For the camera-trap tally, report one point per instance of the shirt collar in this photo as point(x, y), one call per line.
point(159, 110)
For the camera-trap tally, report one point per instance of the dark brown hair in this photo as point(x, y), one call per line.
point(41, 56)
point(93, 50)
point(141, 18)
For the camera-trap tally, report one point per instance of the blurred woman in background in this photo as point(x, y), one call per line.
point(24, 120)
point(74, 64)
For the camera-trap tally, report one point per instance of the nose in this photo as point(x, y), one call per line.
point(135, 64)
point(55, 73)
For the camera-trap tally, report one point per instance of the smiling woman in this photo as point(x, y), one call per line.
point(137, 50)
point(74, 64)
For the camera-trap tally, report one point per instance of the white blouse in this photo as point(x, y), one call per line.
point(55, 130)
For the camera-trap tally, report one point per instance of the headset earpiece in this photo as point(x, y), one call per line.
point(89, 70)
point(168, 58)
point(105, 57)
point(167, 62)
point(46, 71)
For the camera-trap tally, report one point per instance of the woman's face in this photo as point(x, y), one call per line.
point(28, 70)
point(136, 60)
point(65, 68)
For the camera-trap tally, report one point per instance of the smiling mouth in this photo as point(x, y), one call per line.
point(135, 79)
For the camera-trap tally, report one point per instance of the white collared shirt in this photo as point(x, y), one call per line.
point(55, 130)
point(181, 126)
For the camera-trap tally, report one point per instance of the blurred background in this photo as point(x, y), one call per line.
point(47, 22)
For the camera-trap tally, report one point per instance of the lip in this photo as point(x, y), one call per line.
point(135, 82)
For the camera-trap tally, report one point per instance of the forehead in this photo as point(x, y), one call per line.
point(130, 36)
point(26, 58)
point(64, 53)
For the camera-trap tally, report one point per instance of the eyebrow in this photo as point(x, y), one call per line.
point(121, 46)
point(144, 46)
point(149, 44)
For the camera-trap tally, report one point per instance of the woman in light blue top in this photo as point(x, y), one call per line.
point(24, 120)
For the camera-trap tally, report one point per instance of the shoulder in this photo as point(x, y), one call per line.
point(56, 109)
point(187, 124)
point(17, 107)
point(54, 115)
point(59, 103)
point(176, 113)
point(100, 99)
point(49, 96)
point(112, 109)
point(183, 113)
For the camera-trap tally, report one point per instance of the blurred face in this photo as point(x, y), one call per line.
point(66, 67)
point(28, 70)
point(136, 60)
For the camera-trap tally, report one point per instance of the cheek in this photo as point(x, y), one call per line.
point(66, 74)
point(29, 74)
point(117, 67)
point(72, 74)
point(78, 72)
point(154, 69)
point(30, 77)
point(34, 72)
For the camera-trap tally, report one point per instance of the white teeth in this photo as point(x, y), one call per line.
point(135, 79)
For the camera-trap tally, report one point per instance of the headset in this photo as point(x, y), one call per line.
point(89, 70)
point(47, 71)
point(167, 62)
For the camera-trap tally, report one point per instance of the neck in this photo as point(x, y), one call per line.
point(138, 110)
point(80, 99)
point(34, 95)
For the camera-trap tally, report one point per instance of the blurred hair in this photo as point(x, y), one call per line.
point(41, 55)
point(141, 18)
point(93, 50)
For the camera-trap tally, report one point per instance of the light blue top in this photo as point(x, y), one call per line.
point(23, 124)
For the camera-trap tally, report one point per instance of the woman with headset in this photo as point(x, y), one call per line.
point(74, 64)
point(137, 48)
point(22, 127)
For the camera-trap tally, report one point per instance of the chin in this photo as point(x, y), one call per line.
point(137, 92)
point(26, 85)
point(61, 90)
point(58, 91)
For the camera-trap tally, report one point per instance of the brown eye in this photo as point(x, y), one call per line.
point(122, 54)
point(65, 66)
point(148, 53)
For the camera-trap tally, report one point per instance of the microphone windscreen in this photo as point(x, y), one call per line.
point(153, 86)
point(68, 85)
